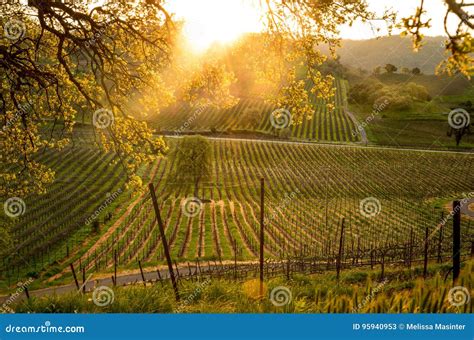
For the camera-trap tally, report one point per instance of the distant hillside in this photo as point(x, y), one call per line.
point(435, 85)
point(368, 54)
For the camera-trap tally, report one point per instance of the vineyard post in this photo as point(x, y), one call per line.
point(115, 266)
point(74, 275)
point(440, 240)
point(177, 270)
point(27, 293)
point(235, 259)
point(410, 248)
point(425, 262)
point(262, 230)
point(84, 279)
point(190, 273)
point(199, 266)
point(456, 239)
point(339, 255)
point(159, 276)
point(141, 272)
point(382, 272)
point(372, 259)
point(163, 239)
point(358, 250)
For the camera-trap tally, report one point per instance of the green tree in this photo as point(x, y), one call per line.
point(210, 86)
point(192, 157)
point(416, 71)
point(390, 68)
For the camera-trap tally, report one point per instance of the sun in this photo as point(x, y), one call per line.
point(210, 21)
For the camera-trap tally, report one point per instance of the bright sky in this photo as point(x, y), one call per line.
point(209, 21)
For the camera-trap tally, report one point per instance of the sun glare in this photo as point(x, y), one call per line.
point(210, 21)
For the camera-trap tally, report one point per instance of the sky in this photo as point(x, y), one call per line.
point(210, 21)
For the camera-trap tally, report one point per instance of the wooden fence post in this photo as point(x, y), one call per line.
point(190, 273)
point(163, 239)
point(159, 276)
point(115, 266)
point(456, 239)
point(372, 259)
point(84, 279)
point(410, 249)
point(339, 255)
point(27, 293)
point(440, 240)
point(199, 267)
point(262, 231)
point(141, 272)
point(235, 259)
point(382, 274)
point(75, 277)
point(425, 261)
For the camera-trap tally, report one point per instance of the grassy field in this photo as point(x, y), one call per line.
point(400, 291)
point(310, 189)
point(425, 124)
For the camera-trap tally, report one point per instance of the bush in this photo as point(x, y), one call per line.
point(381, 97)
point(361, 92)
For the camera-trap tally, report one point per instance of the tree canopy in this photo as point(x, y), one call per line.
point(192, 156)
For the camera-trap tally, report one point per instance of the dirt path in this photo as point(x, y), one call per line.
point(123, 279)
point(360, 128)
